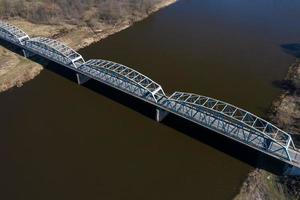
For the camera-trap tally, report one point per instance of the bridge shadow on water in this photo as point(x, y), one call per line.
point(190, 129)
point(201, 134)
point(9, 46)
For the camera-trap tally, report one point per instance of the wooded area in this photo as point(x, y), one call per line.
point(75, 11)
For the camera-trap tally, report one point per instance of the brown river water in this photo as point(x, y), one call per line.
point(60, 140)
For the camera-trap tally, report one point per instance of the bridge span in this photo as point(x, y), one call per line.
point(216, 115)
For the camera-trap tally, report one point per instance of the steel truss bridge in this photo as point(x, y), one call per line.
point(218, 116)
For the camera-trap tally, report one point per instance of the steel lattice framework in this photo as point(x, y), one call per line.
point(140, 84)
point(55, 51)
point(219, 116)
point(235, 122)
point(12, 33)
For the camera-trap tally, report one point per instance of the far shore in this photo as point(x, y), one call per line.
point(285, 113)
point(15, 70)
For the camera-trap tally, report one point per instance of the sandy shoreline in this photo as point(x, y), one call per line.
point(16, 70)
point(285, 113)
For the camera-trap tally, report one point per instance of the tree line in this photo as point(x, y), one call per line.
point(75, 11)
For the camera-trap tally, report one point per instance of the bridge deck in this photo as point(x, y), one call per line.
point(216, 115)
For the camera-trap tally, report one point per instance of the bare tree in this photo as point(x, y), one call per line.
point(75, 11)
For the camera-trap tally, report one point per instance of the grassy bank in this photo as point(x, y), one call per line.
point(15, 70)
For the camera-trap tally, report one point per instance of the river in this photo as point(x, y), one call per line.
point(60, 140)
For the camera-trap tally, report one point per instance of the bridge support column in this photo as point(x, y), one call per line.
point(81, 79)
point(160, 114)
point(27, 54)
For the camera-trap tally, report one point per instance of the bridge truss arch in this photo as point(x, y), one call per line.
point(12, 33)
point(141, 84)
point(248, 127)
point(219, 116)
point(55, 50)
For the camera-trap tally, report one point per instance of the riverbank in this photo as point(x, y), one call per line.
point(285, 113)
point(16, 70)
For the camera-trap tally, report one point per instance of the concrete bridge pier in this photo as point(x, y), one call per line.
point(81, 79)
point(160, 114)
point(27, 54)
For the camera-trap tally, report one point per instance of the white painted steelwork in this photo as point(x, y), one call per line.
point(219, 116)
point(54, 50)
point(126, 74)
point(12, 33)
point(247, 127)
